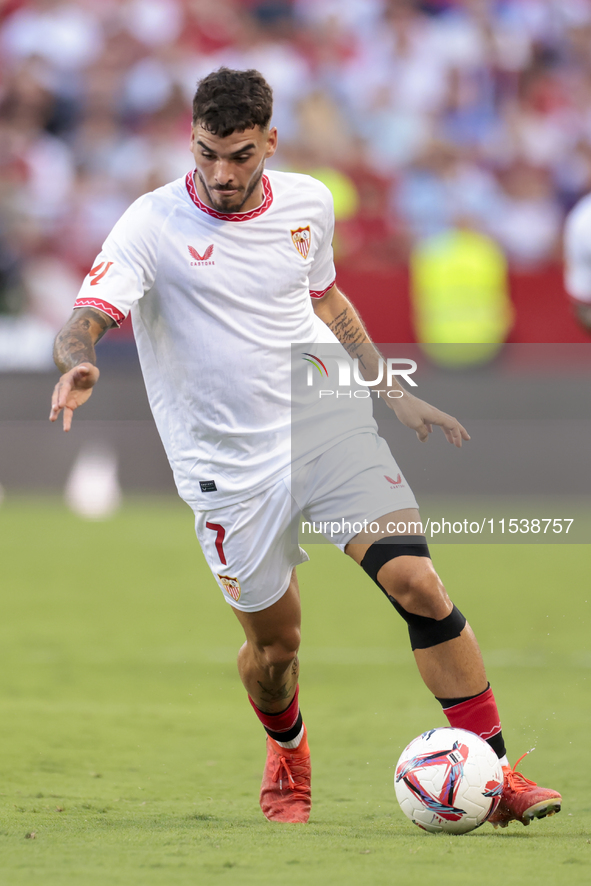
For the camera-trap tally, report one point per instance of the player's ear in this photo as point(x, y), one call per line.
point(195, 127)
point(271, 142)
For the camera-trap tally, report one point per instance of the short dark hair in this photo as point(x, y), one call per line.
point(231, 101)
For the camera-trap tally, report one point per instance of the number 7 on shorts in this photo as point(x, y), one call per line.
point(219, 540)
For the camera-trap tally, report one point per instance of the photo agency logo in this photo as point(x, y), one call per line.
point(348, 372)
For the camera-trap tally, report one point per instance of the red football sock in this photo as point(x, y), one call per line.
point(285, 727)
point(478, 714)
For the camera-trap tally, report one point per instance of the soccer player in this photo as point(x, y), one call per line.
point(223, 270)
point(577, 255)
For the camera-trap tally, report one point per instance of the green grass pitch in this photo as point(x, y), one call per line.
point(129, 754)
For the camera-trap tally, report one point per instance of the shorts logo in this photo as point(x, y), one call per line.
point(301, 239)
point(201, 259)
point(97, 273)
point(231, 586)
point(396, 482)
point(208, 486)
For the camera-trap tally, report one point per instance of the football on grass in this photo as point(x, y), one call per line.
point(448, 781)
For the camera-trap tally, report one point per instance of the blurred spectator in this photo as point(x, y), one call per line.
point(577, 255)
point(395, 135)
point(153, 22)
point(64, 33)
point(527, 221)
point(372, 239)
point(460, 295)
point(11, 295)
point(440, 186)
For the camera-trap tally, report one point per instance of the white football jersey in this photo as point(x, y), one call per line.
point(577, 251)
point(216, 302)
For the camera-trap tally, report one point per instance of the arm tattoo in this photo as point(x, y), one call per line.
point(75, 343)
point(351, 334)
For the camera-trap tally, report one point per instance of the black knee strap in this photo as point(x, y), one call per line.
point(385, 549)
point(424, 632)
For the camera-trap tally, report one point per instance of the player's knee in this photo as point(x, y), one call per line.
point(415, 586)
point(280, 653)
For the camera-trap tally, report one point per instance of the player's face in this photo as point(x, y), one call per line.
point(229, 170)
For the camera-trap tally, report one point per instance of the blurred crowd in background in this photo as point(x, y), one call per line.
point(422, 117)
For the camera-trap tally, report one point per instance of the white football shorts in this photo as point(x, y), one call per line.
point(252, 546)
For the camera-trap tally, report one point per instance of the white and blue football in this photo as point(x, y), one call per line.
point(448, 780)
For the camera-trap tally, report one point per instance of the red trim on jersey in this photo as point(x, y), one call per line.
point(104, 306)
point(318, 293)
point(230, 216)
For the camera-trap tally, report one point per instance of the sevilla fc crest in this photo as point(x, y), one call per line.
point(301, 240)
point(231, 586)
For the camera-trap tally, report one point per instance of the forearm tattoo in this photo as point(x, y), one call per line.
point(351, 334)
point(75, 343)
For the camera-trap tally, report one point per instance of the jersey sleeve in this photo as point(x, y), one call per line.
point(577, 250)
point(125, 268)
point(322, 274)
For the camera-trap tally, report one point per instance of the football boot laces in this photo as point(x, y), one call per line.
point(281, 767)
point(516, 781)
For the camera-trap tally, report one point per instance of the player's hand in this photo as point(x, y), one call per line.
point(421, 417)
point(72, 390)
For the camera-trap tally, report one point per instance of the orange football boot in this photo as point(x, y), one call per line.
point(286, 793)
point(523, 800)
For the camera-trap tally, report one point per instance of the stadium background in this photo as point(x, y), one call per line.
point(422, 116)
point(118, 692)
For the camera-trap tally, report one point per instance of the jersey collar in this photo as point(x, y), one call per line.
point(230, 216)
